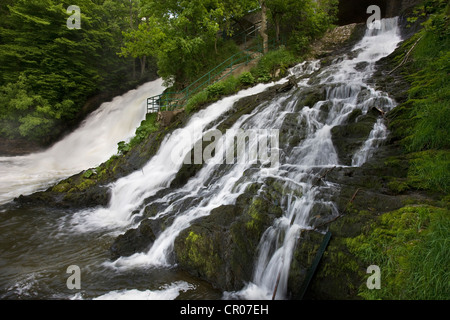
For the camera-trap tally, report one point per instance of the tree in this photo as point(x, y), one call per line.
point(191, 30)
point(277, 9)
point(146, 40)
point(54, 66)
point(263, 30)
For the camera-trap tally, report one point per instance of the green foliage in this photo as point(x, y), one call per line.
point(422, 121)
point(47, 71)
point(427, 7)
point(215, 90)
point(268, 65)
point(411, 247)
point(246, 79)
point(88, 174)
point(301, 21)
point(430, 170)
point(190, 31)
point(26, 114)
point(123, 147)
point(147, 127)
point(430, 86)
point(225, 87)
point(190, 44)
point(196, 101)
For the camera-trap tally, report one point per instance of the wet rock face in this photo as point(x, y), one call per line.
point(221, 248)
point(349, 137)
point(134, 240)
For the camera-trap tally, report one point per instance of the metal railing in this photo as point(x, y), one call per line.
point(176, 100)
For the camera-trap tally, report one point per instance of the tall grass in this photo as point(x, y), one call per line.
point(430, 93)
point(411, 247)
point(427, 129)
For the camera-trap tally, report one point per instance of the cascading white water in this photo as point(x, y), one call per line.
point(346, 90)
point(345, 86)
point(378, 134)
point(128, 193)
point(94, 142)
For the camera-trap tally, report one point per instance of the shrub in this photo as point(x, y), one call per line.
point(215, 90)
point(279, 59)
point(246, 79)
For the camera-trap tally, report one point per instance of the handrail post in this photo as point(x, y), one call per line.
point(312, 269)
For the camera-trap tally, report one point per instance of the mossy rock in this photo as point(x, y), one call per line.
point(62, 187)
point(221, 248)
point(349, 137)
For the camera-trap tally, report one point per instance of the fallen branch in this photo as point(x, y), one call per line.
point(340, 214)
point(406, 56)
point(325, 174)
point(276, 286)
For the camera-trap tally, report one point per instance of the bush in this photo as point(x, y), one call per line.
point(246, 79)
point(280, 59)
point(215, 90)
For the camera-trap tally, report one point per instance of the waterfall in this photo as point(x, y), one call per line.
point(296, 169)
point(94, 142)
point(128, 193)
point(344, 85)
point(345, 82)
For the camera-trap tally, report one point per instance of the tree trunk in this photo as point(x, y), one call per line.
point(263, 31)
point(143, 63)
point(277, 28)
point(131, 28)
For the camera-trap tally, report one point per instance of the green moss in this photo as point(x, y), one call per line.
point(88, 174)
point(255, 217)
point(62, 187)
point(410, 245)
point(398, 186)
point(199, 254)
point(85, 184)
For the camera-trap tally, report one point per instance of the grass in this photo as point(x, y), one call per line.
point(430, 170)
point(412, 248)
point(430, 93)
point(422, 122)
